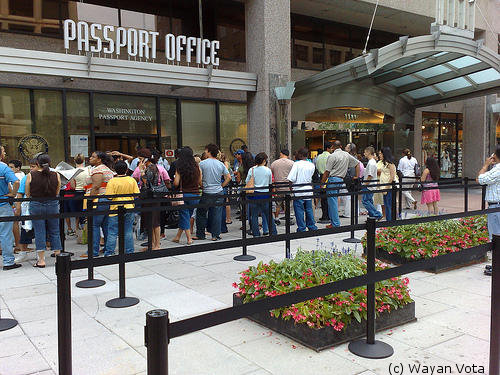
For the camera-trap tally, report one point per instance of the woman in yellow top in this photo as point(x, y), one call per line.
point(119, 185)
point(387, 174)
point(378, 198)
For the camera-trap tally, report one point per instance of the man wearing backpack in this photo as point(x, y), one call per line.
point(212, 171)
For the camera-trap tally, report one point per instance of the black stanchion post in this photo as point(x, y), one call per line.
point(394, 190)
point(466, 194)
point(122, 300)
point(62, 234)
point(495, 309)
point(90, 282)
point(63, 272)
point(150, 222)
point(156, 341)
point(354, 199)
point(400, 197)
point(244, 256)
point(288, 220)
point(370, 348)
point(270, 216)
point(483, 197)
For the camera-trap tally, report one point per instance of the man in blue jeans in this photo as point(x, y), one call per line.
point(212, 171)
point(301, 173)
point(6, 236)
point(370, 174)
point(337, 165)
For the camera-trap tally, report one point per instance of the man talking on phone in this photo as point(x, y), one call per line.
point(491, 178)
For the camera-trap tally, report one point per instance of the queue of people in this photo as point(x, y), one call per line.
point(192, 180)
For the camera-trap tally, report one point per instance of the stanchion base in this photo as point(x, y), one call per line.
point(244, 258)
point(53, 255)
point(118, 303)
point(378, 350)
point(352, 240)
point(6, 324)
point(91, 283)
point(324, 221)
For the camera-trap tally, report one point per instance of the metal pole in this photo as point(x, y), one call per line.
point(122, 300)
point(156, 341)
point(63, 272)
point(495, 309)
point(287, 224)
point(400, 197)
point(370, 348)
point(483, 197)
point(466, 194)
point(244, 256)
point(393, 200)
point(150, 223)
point(354, 206)
point(90, 282)
point(270, 217)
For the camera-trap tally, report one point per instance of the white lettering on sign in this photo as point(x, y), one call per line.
point(132, 114)
point(138, 43)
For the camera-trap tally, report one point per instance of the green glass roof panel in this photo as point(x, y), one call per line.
point(405, 80)
point(463, 62)
point(433, 71)
point(485, 76)
point(453, 84)
point(422, 92)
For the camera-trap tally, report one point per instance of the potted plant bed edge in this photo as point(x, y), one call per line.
point(324, 338)
point(476, 254)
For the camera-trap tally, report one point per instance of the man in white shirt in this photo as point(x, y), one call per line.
point(370, 174)
point(407, 166)
point(491, 179)
point(301, 173)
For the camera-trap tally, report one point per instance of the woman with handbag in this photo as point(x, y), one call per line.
point(43, 183)
point(188, 180)
point(154, 182)
point(429, 179)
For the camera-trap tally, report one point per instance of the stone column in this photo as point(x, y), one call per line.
point(268, 55)
point(417, 136)
point(475, 136)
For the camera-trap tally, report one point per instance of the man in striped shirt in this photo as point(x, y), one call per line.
point(491, 178)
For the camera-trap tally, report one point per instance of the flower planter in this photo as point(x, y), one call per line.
point(324, 338)
point(476, 254)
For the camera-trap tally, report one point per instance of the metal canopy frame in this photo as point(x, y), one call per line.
point(423, 70)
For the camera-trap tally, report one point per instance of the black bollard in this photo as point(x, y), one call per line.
point(90, 282)
point(483, 197)
point(370, 348)
point(63, 272)
point(6, 324)
point(495, 309)
point(156, 341)
point(287, 224)
point(244, 257)
point(354, 214)
point(122, 300)
point(394, 190)
point(466, 194)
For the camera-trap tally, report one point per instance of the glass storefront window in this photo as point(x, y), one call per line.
point(15, 120)
point(233, 127)
point(230, 23)
point(78, 119)
point(168, 113)
point(49, 122)
point(198, 124)
point(124, 114)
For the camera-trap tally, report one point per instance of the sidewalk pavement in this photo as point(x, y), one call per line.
point(453, 311)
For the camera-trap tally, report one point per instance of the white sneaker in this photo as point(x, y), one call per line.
point(21, 257)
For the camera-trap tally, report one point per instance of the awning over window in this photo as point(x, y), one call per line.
point(421, 71)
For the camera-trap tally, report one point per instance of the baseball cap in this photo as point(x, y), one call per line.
point(239, 152)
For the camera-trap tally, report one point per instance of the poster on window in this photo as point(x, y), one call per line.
point(79, 145)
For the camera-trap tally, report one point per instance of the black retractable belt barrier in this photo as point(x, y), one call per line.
point(466, 194)
point(63, 272)
point(288, 220)
point(122, 300)
point(244, 256)
point(394, 191)
point(354, 217)
point(495, 309)
point(90, 282)
point(6, 324)
point(370, 348)
point(156, 341)
point(483, 197)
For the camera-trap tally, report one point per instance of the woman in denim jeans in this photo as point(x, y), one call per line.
point(43, 183)
point(188, 179)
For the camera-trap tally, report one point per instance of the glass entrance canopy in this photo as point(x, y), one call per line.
point(421, 71)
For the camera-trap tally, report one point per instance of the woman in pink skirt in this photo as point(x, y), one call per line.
point(429, 179)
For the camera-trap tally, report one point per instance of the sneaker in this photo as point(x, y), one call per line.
point(71, 233)
point(21, 256)
point(277, 221)
point(12, 267)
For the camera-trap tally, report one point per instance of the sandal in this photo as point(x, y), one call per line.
point(176, 240)
point(36, 265)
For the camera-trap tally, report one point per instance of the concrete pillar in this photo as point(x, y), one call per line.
point(268, 55)
point(475, 136)
point(417, 136)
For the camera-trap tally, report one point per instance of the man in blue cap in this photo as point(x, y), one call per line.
point(237, 159)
